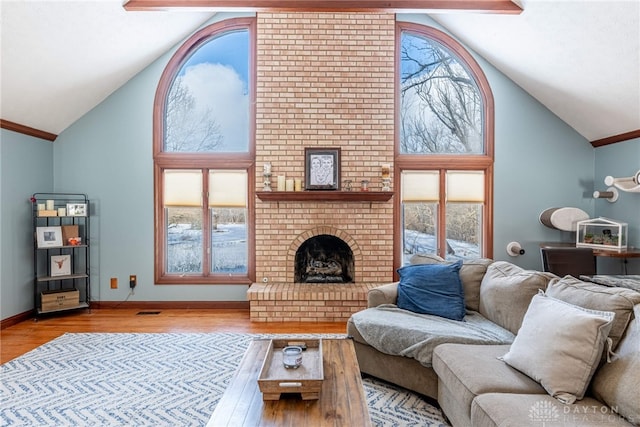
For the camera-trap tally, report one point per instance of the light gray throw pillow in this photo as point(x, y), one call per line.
point(506, 292)
point(559, 345)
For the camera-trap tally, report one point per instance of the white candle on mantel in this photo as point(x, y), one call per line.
point(289, 185)
point(281, 182)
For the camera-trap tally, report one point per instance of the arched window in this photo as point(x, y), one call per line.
point(204, 154)
point(444, 148)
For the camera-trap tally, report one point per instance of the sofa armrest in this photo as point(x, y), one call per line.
point(385, 294)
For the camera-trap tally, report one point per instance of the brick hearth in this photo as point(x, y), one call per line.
point(280, 302)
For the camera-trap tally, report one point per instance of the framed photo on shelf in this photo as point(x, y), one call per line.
point(60, 265)
point(322, 168)
point(48, 237)
point(76, 209)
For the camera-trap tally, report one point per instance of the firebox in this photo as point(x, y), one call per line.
point(324, 259)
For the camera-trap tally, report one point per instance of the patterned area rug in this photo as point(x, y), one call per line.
point(131, 379)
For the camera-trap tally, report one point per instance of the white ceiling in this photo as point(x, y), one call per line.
point(581, 59)
point(61, 58)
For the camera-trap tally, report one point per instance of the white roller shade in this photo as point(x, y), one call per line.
point(420, 186)
point(182, 188)
point(228, 188)
point(465, 186)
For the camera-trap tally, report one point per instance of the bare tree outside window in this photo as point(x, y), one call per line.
point(203, 110)
point(441, 106)
point(442, 113)
point(189, 129)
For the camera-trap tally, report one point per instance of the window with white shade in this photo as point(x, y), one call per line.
point(183, 221)
point(460, 235)
point(205, 213)
point(204, 153)
point(444, 149)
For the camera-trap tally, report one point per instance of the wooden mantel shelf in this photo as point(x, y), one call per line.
point(325, 196)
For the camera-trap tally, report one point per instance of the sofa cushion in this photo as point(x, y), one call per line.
point(432, 289)
point(596, 297)
point(506, 291)
point(471, 274)
point(385, 294)
point(398, 332)
point(559, 345)
point(426, 259)
point(466, 371)
point(616, 383)
point(516, 410)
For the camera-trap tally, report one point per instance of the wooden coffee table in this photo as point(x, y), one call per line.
point(342, 400)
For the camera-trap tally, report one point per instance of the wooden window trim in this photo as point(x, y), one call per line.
point(203, 161)
point(442, 163)
point(182, 54)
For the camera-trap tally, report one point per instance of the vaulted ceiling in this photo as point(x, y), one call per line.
point(581, 59)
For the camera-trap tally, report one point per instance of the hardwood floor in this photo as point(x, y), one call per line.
point(25, 336)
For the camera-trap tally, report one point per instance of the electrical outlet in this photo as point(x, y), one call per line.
point(114, 283)
point(133, 281)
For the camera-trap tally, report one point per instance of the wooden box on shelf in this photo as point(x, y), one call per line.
point(59, 299)
point(602, 233)
point(68, 232)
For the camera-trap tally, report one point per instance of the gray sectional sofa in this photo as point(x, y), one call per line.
point(473, 374)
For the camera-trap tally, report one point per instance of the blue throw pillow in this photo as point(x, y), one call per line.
point(432, 289)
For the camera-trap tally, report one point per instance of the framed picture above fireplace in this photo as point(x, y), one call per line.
point(322, 168)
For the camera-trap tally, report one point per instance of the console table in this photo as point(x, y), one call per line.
point(623, 254)
point(614, 253)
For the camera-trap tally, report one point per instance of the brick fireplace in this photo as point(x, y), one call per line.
point(324, 80)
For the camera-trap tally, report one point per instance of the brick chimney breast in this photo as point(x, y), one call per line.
point(325, 80)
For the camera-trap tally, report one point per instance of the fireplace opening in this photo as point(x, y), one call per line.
point(324, 259)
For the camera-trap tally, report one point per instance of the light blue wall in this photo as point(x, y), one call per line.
point(540, 162)
point(108, 155)
point(619, 160)
point(26, 167)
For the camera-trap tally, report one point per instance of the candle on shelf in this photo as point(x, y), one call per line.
point(62, 212)
point(386, 170)
point(289, 185)
point(281, 182)
point(50, 205)
point(297, 184)
point(267, 169)
point(40, 206)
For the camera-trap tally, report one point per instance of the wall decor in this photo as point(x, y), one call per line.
point(49, 236)
point(60, 265)
point(76, 209)
point(322, 168)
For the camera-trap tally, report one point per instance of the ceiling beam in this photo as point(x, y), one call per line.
point(424, 6)
point(26, 130)
point(616, 138)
